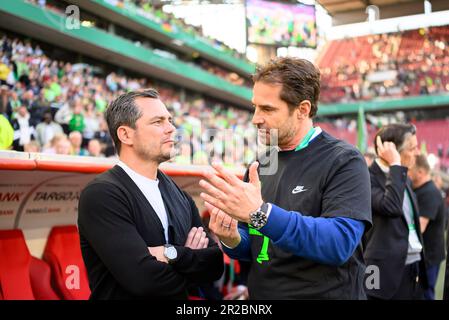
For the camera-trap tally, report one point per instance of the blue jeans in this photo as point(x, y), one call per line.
point(432, 275)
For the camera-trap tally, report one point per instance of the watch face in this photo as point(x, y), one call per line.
point(171, 253)
point(258, 219)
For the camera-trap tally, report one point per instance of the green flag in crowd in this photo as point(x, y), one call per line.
point(361, 131)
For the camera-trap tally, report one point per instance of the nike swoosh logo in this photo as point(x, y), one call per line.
point(298, 189)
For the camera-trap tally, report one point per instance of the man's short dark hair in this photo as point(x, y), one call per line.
point(396, 133)
point(299, 78)
point(124, 111)
point(422, 163)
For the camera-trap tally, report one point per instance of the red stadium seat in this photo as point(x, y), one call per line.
point(15, 262)
point(40, 274)
point(63, 254)
point(22, 276)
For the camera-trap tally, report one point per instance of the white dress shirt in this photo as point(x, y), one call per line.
point(150, 189)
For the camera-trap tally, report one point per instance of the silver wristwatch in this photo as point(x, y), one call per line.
point(170, 253)
point(259, 217)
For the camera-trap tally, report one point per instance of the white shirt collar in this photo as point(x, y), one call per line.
point(133, 174)
point(382, 167)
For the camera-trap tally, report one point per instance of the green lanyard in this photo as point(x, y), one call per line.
point(411, 225)
point(263, 254)
point(305, 141)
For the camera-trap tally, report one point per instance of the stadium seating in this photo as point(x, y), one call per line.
point(63, 254)
point(433, 133)
point(40, 274)
point(22, 277)
point(15, 260)
point(420, 58)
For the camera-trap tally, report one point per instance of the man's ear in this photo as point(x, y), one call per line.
point(422, 171)
point(125, 134)
point(304, 109)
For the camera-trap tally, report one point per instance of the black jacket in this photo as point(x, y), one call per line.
point(117, 224)
point(386, 244)
point(446, 278)
point(16, 126)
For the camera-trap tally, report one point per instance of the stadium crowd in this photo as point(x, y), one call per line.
point(399, 64)
point(50, 97)
point(173, 25)
point(57, 107)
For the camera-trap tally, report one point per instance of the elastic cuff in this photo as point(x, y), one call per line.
point(224, 245)
point(277, 223)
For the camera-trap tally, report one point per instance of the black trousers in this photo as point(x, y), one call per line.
point(410, 287)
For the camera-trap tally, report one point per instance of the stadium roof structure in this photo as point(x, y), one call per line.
point(176, 39)
point(353, 11)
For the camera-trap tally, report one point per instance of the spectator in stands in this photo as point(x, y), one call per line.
point(291, 218)
point(394, 244)
point(4, 90)
point(91, 122)
point(76, 140)
point(141, 236)
point(6, 133)
point(32, 146)
point(13, 104)
point(76, 123)
point(63, 146)
point(38, 108)
point(432, 219)
point(94, 148)
point(46, 130)
point(50, 148)
point(63, 116)
point(23, 129)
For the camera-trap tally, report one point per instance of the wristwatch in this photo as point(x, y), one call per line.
point(170, 253)
point(259, 217)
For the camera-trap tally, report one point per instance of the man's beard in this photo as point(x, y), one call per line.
point(144, 153)
point(267, 136)
point(162, 157)
point(276, 136)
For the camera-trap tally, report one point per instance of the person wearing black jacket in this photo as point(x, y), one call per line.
point(432, 217)
point(446, 275)
point(23, 129)
point(141, 235)
point(394, 244)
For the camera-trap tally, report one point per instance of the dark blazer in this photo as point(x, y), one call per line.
point(386, 243)
point(446, 278)
point(117, 224)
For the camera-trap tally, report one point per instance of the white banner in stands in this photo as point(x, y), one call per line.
point(12, 194)
point(36, 199)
